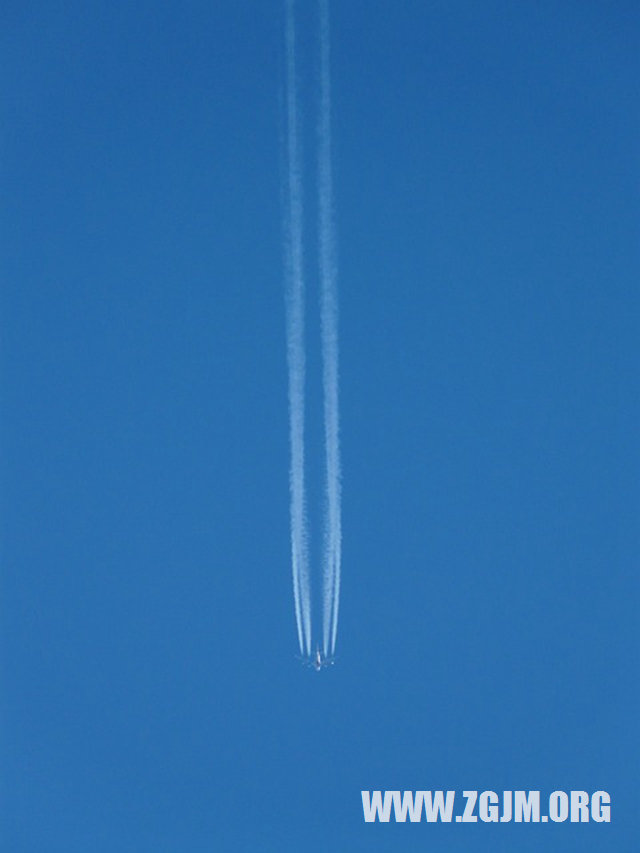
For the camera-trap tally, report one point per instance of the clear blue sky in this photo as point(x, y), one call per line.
point(487, 192)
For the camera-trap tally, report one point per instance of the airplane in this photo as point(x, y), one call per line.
point(319, 662)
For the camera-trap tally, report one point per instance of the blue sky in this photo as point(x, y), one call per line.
point(486, 183)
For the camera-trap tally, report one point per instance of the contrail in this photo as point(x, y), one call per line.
point(295, 349)
point(329, 335)
point(328, 304)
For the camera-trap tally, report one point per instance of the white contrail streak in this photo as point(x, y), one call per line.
point(327, 275)
point(295, 349)
point(329, 335)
